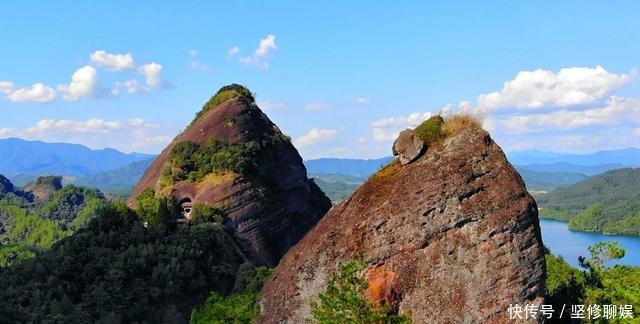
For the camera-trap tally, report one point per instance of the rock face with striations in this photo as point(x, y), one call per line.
point(271, 204)
point(453, 237)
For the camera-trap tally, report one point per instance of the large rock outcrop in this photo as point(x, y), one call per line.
point(269, 207)
point(453, 237)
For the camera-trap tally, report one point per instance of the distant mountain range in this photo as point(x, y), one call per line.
point(352, 167)
point(35, 157)
point(627, 157)
point(111, 170)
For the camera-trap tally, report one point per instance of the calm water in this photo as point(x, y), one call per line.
point(562, 241)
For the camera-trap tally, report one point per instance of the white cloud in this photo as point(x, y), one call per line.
point(617, 112)
point(314, 137)
point(233, 52)
point(6, 87)
point(542, 88)
point(361, 101)
point(93, 125)
point(5, 132)
point(133, 86)
point(37, 93)
point(317, 106)
point(84, 83)
point(270, 105)
point(636, 132)
point(113, 62)
point(387, 129)
point(195, 64)
point(258, 58)
point(362, 140)
point(131, 135)
point(153, 74)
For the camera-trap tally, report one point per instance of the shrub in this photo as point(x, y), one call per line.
point(203, 213)
point(456, 123)
point(344, 302)
point(240, 307)
point(430, 130)
point(225, 93)
point(160, 213)
point(193, 162)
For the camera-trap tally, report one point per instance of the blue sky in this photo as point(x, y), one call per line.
point(342, 78)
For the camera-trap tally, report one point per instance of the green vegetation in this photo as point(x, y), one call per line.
point(609, 203)
point(159, 213)
point(118, 181)
point(189, 161)
point(29, 228)
point(336, 190)
point(117, 271)
point(225, 93)
point(15, 254)
point(240, 307)
point(597, 284)
point(430, 130)
point(547, 181)
point(344, 302)
point(203, 213)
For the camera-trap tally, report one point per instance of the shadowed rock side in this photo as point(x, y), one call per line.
point(268, 209)
point(453, 237)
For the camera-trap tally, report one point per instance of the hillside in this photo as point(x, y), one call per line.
point(337, 186)
point(121, 179)
point(40, 158)
point(547, 181)
point(609, 203)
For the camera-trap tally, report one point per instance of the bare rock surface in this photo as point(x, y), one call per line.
point(453, 237)
point(408, 146)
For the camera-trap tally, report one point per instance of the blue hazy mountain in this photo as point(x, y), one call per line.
point(624, 157)
point(564, 167)
point(352, 167)
point(121, 179)
point(36, 157)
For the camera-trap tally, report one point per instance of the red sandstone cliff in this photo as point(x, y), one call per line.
point(269, 209)
point(453, 237)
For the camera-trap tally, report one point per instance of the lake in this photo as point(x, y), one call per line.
point(572, 244)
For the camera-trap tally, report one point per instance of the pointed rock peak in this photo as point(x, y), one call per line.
point(452, 235)
point(234, 159)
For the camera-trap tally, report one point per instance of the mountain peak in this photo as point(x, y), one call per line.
point(233, 158)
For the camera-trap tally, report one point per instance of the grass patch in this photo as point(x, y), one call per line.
point(457, 123)
point(218, 177)
point(387, 171)
point(430, 131)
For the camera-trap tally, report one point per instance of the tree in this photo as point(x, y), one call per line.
point(344, 302)
point(601, 253)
